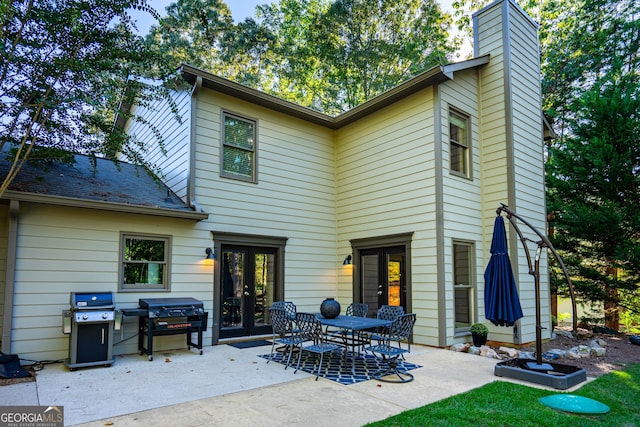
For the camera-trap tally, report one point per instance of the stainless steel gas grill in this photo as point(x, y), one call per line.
point(169, 316)
point(90, 323)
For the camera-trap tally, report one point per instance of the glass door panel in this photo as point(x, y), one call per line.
point(248, 286)
point(383, 277)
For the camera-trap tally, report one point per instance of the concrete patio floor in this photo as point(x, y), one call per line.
point(227, 386)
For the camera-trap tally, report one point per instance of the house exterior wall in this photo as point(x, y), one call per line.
point(511, 144)
point(61, 249)
point(4, 220)
point(462, 215)
point(382, 175)
point(385, 168)
point(175, 130)
point(294, 196)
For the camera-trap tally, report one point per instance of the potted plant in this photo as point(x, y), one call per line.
point(479, 332)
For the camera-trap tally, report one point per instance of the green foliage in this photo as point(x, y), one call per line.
point(327, 55)
point(499, 403)
point(590, 63)
point(479, 329)
point(66, 68)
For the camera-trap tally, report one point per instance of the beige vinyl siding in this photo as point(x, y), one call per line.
point(528, 160)
point(66, 249)
point(4, 228)
point(511, 140)
point(175, 164)
point(462, 202)
point(293, 197)
point(493, 137)
point(385, 185)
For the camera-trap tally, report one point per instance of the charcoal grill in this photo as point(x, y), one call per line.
point(169, 316)
point(90, 323)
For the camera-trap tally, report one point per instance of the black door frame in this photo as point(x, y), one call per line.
point(221, 238)
point(358, 245)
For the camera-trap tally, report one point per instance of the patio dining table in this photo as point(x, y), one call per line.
point(355, 324)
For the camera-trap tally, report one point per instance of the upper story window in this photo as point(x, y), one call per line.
point(144, 262)
point(459, 140)
point(239, 148)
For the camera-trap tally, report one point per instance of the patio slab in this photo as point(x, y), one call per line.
point(230, 386)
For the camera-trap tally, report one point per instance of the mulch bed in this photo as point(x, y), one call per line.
point(10, 381)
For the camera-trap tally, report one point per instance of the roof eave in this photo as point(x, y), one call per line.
point(105, 206)
point(431, 77)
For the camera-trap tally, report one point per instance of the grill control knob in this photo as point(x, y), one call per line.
point(104, 315)
point(157, 314)
point(183, 312)
point(85, 317)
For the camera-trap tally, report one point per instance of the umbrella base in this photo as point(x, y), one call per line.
point(560, 377)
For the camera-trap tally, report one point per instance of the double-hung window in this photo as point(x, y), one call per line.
point(459, 143)
point(144, 262)
point(239, 148)
point(463, 285)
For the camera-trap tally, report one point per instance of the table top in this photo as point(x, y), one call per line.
point(353, 322)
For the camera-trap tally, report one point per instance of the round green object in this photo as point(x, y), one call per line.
point(573, 403)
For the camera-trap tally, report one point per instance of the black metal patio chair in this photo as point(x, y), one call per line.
point(389, 353)
point(310, 330)
point(283, 333)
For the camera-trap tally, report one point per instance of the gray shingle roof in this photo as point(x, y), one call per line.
point(121, 184)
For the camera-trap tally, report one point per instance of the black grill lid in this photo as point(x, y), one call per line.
point(149, 303)
point(91, 299)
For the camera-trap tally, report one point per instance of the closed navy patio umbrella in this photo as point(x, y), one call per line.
point(501, 302)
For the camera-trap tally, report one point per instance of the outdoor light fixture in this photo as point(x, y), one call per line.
point(209, 254)
point(347, 260)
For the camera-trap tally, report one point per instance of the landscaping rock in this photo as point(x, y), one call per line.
point(583, 334)
point(511, 352)
point(579, 352)
point(474, 350)
point(557, 353)
point(487, 351)
point(460, 348)
point(563, 333)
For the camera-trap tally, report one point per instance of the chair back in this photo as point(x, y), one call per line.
point(309, 327)
point(280, 322)
point(401, 328)
point(357, 309)
point(390, 312)
point(288, 306)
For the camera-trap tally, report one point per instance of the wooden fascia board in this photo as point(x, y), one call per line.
point(105, 206)
point(431, 77)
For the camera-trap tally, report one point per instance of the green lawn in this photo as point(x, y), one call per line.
point(506, 404)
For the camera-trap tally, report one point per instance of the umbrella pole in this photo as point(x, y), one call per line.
point(538, 316)
point(546, 243)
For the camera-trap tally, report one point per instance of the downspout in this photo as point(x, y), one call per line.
point(191, 178)
point(10, 274)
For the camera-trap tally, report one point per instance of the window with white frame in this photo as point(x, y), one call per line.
point(463, 285)
point(239, 148)
point(459, 143)
point(144, 262)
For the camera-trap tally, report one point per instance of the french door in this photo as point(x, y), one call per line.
point(248, 285)
point(382, 277)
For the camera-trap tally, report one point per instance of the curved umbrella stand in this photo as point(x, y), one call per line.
point(534, 270)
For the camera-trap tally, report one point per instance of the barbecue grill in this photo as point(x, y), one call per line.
point(90, 323)
point(168, 316)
